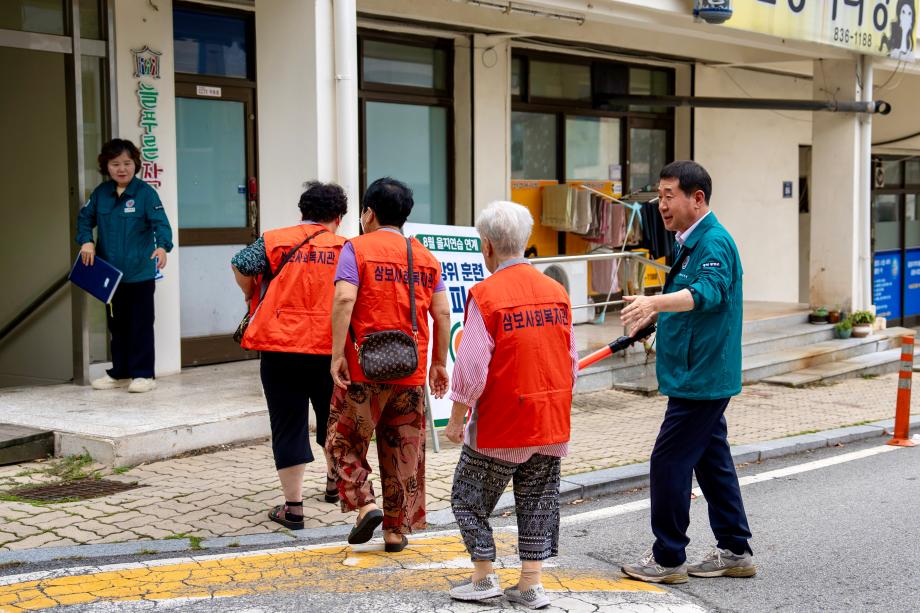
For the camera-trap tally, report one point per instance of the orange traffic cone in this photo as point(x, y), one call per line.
point(902, 413)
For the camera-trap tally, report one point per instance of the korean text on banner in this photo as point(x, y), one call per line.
point(457, 248)
point(874, 27)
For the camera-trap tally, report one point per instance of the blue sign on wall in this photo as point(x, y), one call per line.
point(912, 282)
point(886, 283)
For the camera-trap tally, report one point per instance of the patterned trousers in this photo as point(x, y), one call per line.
point(396, 413)
point(478, 483)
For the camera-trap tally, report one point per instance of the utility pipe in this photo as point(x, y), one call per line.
point(767, 104)
point(346, 106)
point(864, 231)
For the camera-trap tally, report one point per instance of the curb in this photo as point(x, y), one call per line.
point(574, 487)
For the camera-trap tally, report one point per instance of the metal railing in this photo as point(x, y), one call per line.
point(33, 306)
point(628, 257)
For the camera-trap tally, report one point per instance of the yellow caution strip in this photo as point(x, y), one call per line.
point(428, 564)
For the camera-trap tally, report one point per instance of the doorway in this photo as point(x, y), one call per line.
point(217, 195)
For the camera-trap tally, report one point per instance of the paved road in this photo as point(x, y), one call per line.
point(835, 530)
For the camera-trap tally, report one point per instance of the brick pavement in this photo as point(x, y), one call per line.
point(227, 493)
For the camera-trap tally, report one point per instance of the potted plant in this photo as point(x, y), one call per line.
point(862, 323)
point(818, 316)
point(833, 316)
point(844, 328)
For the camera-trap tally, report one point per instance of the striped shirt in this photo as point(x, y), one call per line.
point(471, 370)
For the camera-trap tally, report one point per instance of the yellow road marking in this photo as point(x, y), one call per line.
point(429, 564)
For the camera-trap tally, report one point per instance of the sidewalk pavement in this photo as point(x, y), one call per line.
point(227, 493)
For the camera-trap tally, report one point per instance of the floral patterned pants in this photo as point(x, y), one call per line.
point(396, 413)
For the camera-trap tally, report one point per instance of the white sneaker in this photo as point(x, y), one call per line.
point(533, 597)
point(481, 590)
point(108, 383)
point(141, 385)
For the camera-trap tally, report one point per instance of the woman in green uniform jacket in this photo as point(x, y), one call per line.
point(133, 235)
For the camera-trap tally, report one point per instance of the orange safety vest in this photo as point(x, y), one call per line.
point(296, 314)
point(383, 296)
point(527, 400)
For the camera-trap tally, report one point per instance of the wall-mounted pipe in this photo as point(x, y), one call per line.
point(767, 104)
point(346, 105)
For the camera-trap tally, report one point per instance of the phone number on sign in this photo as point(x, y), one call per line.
point(853, 37)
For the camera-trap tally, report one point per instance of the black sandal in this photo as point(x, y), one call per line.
point(396, 547)
point(364, 529)
point(281, 515)
point(331, 495)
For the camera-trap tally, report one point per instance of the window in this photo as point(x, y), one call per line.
point(406, 110)
point(406, 65)
point(211, 43)
point(592, 148)
point(419, 133)
point(44, 16)
point(533, 145)
point(563, 127)
point(560, 81)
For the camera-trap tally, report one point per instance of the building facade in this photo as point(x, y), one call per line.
point(236, 104)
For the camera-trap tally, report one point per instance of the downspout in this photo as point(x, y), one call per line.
point(346, 108)
point(864, 232)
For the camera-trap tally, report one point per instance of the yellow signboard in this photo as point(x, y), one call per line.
point(875, 27)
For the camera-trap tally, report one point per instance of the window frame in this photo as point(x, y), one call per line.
point(405, 94)
point(220, 80)
point(563, 108)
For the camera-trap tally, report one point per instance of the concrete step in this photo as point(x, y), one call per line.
point(792, 334)
point(771, 364)
point(880, 363)
point(23, 444)
point(774, 364)
point(776, 322)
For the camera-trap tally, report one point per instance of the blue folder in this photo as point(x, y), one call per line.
point(101, 279)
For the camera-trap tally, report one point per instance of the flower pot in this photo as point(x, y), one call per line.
point(862, 330)
point(843, 333)
point(833, 317)
point(817, 319)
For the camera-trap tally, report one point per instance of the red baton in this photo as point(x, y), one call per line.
point(618, 345)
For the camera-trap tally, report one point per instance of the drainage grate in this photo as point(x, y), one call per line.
point(80, 489)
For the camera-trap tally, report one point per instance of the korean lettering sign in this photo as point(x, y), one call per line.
point(886, 284)
point(874, 27)
point(457, 248)
point(146, 70)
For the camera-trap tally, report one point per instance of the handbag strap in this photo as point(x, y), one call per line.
point(351, 330)
point(285, 260)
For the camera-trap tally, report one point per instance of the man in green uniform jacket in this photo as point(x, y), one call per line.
point(698, 365)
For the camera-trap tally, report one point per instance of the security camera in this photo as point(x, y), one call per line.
point(713, 11)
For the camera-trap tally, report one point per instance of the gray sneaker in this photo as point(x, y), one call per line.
point(651, 572)
point(724, 563)
point(481, 590)
point(533, 597)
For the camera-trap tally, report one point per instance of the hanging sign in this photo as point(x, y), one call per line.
point(458, 250)
point(872, 27)
point(146, 70)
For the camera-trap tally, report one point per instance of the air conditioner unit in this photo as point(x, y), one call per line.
point(573, 276)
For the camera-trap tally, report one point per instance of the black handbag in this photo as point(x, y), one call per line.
point(390, 354)
point(244, 323)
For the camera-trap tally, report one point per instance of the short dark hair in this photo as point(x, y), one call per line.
point(322, 202)
point(113, 149)
point(690, 177)
point(391, 201)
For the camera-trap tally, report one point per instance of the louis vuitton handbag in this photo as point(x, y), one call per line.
point(389, 355)
point(244, 323)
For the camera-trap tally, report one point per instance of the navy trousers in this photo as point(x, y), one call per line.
point(694, 437)
point(131, 327)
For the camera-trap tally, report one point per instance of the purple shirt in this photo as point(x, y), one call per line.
point(347, 269)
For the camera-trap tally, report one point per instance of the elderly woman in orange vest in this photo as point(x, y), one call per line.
point(519, 407)
point(372, 295)
point(291, 328)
